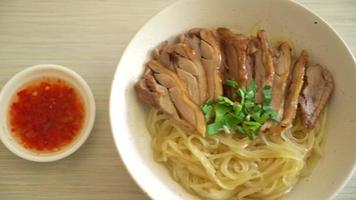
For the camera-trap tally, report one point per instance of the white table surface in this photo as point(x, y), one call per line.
point(89, 37)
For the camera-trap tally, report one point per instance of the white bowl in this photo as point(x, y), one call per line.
point(32, 73)
point(280, 18)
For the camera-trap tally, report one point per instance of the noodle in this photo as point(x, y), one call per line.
point(225, 166)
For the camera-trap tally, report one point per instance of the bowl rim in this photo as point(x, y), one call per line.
point(7, 137)
point(130, 46)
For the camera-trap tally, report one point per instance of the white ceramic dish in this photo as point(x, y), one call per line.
point(32, 73)
point(280, 18)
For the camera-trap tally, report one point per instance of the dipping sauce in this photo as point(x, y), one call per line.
point(46, 114)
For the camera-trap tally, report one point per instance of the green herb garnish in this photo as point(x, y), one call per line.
point(267, 96)
point(231, 83)
point(244, 117)
point(208, 110)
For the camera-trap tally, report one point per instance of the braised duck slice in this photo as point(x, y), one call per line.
point(266, 57)
point(234, 47)
point(154, 94)
point(189, 61)
point(238, 66)
point(282, 67)
point(250, 61)
point(191, 82)
point(259, 76)
point(318, 88)
point(183, 60)
point(187, 110)
point(230, 64)
point(206, 46)
point(264, 70)
point(291, 103)
point(162, 53)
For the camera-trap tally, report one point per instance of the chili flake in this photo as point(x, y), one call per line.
point(46, 115)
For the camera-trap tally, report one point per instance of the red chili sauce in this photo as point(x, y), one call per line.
point(46, 115)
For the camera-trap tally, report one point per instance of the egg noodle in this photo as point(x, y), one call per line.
point(228, 166)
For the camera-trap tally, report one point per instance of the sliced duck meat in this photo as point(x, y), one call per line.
point(154, 94)
point(282, 67)
point(191, 82)
point(266, 57)
point(238, 65)
point(291, 103)
point(250, 62)
point(318, 88)
point(264, 70)
point(187, 110)
point(259, 76)
point(206, 46)
point(230, 63)
point(183, 60)
point(162, 53)
point(189, 61)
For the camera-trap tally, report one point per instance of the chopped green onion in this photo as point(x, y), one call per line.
point(231, 83)
point(252, 87)
point(237, 109)
point(249, 104)
point(226, 129)
point(244, 117)
point(250, 95)
point(264, 117)
point(208, 110)
point(267, 96)
point(256, 116)
point(241, 93)
point(225, 101)
point(239, 129)
point(214, 128)
point(220, 111)
point(257, 108)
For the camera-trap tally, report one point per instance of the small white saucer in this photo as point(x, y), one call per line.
point(32, 73)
